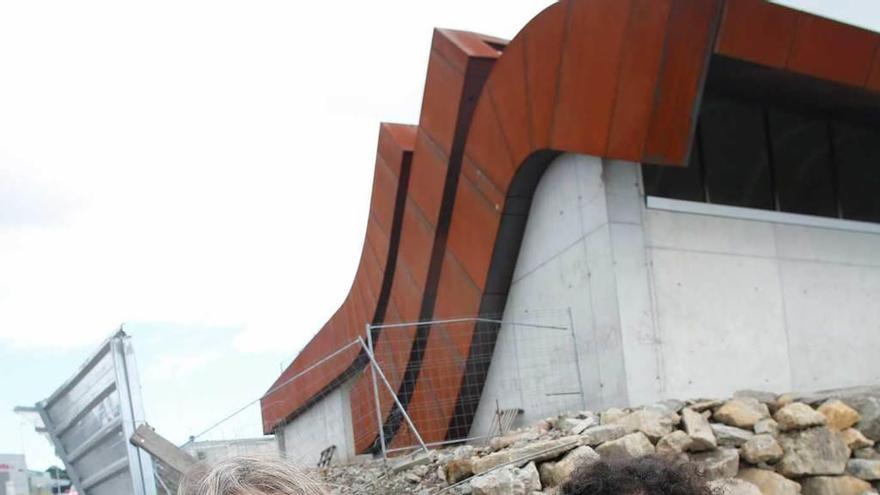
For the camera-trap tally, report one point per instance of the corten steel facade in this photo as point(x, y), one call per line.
point(615, 79)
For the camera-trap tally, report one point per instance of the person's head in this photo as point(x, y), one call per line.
point(639, 476)
point(249, 476)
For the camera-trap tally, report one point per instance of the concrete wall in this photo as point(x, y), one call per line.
point(326, 423)
point(768, 305)
point(565, 263)
point(676, 304)
point(214, 451)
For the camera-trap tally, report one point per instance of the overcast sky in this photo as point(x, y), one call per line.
point(199, 170)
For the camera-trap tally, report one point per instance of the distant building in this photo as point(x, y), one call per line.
point(216, 450)
point(691, 187)
point(41, 483)
point(13, 473)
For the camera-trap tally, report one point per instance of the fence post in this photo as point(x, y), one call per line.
point(376, 393)
point(378, 370)
point(577, 359)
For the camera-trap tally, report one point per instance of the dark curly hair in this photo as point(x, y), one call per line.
point(640, 476)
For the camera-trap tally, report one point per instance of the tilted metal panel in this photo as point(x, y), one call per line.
point(90, 419)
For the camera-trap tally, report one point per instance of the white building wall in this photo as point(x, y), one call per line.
point(769, 305)
point(564, 263)
point(326, 423)
point(677, 304)
point(213, 451)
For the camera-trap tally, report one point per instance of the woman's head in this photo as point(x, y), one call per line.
point(638, 476)
point(249, 476)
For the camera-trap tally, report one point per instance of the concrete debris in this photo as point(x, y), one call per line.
point(537, 451)
point(854, 439)
point(653, 423)
point(816, 451)
point(557, 473)
point(866, 453)
point(761, 449)
point(743, 412)
point(770, 399)
point(869, 410)
point(674, 444)
point(812, 447)
point(769, 482)
point(836, 485)
point(508, 481)
point(574, 426)
point(600, 434)
point(733, 486)
point(839, 415)
point(767, 426)
point(612, 415)
point(706, 404)
point(698, 428)
point(864, 469)
point(633, 445)
point(797, 416)
point(515, 439)
point(730, 436)
point(458, 469)
point(409, 463)
point(721, 463)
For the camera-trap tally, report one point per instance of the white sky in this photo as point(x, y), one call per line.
point(200, 169)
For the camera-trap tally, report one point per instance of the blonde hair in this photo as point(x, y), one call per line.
point(249, 475)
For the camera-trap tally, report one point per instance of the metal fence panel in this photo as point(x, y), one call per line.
point(90, 419)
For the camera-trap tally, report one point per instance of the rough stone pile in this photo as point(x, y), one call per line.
point(753, 444)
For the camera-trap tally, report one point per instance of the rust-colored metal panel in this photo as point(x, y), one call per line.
point(416, 240)
point(443, 88)
point(361, 396)
point(488, 189)
point(472, 238)
point(757, 31)
point(455, 76)
point(641, 57)
point(446, 353)
point(428, 178)
point(589, 72)
point(487, 147)
point(690, 34)
point(395, 146)
point(874, 79)
point(385, 182)
point(508, 97)
point(393, 139)
point(407, 296)
point(542, 50)
point(460, 47)
point(363, 412)
point(830, 50)
point(378, 241)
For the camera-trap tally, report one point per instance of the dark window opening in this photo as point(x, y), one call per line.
point(675, 182)
point(857, 157)
point(776, 149)
point(735, 152)
point(802, 166)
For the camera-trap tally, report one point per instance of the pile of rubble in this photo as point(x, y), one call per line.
point(753, 444)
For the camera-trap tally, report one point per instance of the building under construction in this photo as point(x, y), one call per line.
point(687, 190)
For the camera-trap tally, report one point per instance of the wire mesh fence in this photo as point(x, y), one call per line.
point(407, 386)
point(471, 378)
point(239, 434)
